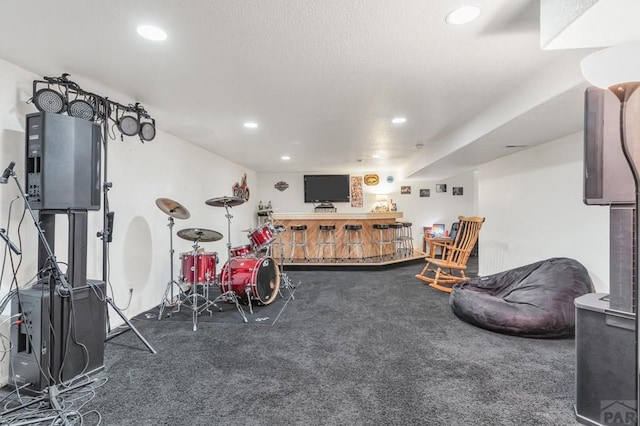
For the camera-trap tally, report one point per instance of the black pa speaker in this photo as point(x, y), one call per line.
point(54, 346)
point(62, 162)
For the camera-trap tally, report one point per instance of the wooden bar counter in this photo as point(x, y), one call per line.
point(314, 220)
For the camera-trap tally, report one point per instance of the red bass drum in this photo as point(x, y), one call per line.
point(259, 277)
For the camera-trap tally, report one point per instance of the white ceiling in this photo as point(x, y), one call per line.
point(323, 78)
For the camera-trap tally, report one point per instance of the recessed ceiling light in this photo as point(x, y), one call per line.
point(375, 156)
point(399, 120)
point(250, 125)
point(285, 157)
point(463, 15)
point(152, 33)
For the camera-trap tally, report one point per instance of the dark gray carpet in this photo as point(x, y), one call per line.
point(225, 311)
point(353, 348)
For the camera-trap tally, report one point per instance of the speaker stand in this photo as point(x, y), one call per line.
point(130, 326)
point(106, 239)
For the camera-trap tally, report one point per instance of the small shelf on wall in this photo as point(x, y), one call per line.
point(325, 208)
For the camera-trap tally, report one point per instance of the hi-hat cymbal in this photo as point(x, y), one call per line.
point(225, 201)
point(199, 234)
point(173, 208)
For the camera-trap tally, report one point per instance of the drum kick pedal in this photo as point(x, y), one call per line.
point(285, 282)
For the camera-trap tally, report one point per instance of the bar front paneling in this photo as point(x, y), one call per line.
point(314, 220)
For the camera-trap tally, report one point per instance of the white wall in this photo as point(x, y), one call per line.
point(421, 211)
point(166, 167)
point(533, 204)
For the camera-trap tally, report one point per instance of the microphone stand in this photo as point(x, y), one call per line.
point(57, 272)
point(55, 275)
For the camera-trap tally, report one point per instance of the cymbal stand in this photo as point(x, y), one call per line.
point(170, 301)
point(229, 295)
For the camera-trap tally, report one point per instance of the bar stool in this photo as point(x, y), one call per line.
point(408, 236)
point(299, 239)
point(380, 238)
point(397, 238)
point(276, 249)
point(326, 239)
point(352, 241)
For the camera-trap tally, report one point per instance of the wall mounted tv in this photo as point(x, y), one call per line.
point(326, 188)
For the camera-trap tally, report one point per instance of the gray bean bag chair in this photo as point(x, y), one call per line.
point(532, 301)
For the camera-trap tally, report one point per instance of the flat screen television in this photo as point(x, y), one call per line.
point(326, 188)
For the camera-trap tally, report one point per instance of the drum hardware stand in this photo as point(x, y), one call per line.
point(194, 290)
point(177, 211)
point(283, 275)
point(166, 301)
point(229, 295)
point(248, 292)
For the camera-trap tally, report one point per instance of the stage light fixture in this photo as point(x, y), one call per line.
point(48, 100)
point(129, 125)
point(81, 109)
point(147, 130)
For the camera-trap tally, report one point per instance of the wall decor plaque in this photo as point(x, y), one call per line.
point(241, 189)
point(371, 180)
point(281, 186)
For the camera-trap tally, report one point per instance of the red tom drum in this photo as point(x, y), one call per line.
point(262, 236)
point(259, 276)
point(205, 264)
point(242, 251)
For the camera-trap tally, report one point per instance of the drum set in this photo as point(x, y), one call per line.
point(250, 274)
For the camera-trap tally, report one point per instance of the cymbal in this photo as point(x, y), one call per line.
point(173, 208)
point(199, 234)
point(224, 201)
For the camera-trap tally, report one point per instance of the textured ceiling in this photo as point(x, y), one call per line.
point(323, 78)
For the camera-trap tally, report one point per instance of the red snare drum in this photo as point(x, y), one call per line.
point(261, 236)
point(242, 251)
point(206, 264)
point(258, 275)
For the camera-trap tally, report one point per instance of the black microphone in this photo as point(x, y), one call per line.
point(12, 246)
point(7, 172)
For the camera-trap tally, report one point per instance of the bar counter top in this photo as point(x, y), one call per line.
point(337, 216)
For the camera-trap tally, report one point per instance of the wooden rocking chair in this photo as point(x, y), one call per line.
point(454, 257)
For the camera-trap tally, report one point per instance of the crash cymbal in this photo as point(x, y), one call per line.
point(225, 201)
point(199, 234)
point(173, 208)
